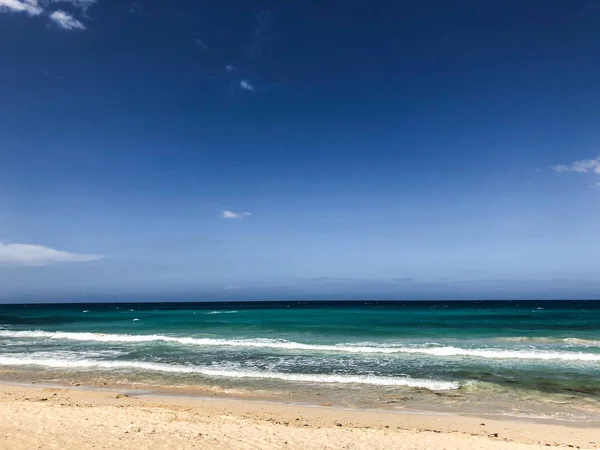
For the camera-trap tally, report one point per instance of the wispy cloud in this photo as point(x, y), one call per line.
point(582, 166)
point(135, 8)
point(262, 24)
point(38, 255)
point(233, 215)
point(245, 84)
point(201, 44)
point(66, 21)
point(80, 4)
point(30, 7)
point(229, 68)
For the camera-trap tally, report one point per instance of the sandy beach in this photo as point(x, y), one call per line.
point(75, 418)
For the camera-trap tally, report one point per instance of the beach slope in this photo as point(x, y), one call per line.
point(37, 417)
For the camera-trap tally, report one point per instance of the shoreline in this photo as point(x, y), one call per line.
point(205, 393)
point(37, 415)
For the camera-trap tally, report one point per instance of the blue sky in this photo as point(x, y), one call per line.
point(301, 149)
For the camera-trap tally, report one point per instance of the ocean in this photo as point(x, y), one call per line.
point(529, 359)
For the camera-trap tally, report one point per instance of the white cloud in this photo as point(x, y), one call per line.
point(37, 255)
point(66, 21)
point(30, 7)
point(63, 19)
point(232, 215)
point(244, 84)
point(229, 68)
point(583, 166)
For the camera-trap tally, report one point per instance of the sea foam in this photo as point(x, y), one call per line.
point(438, 351)
point(228, 372)
point(551, 340)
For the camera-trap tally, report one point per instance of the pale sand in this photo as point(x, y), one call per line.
point(36, 417)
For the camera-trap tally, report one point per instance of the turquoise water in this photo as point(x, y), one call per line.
point(530, 358)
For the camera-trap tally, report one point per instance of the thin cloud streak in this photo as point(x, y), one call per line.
point(81, 4)
point(263, 22)
point(233, 215)
point(582, 166)
point(38, 255)
point(200, 44)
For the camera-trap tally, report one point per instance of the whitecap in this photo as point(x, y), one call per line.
point(281, 344)
point(228, 372)
point(550, 340)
